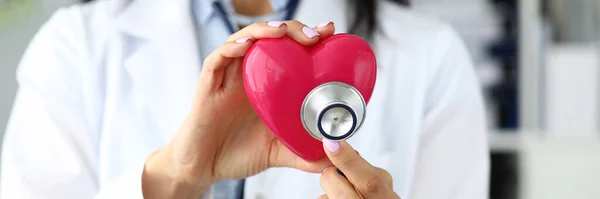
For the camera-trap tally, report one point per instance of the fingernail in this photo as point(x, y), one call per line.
point(275, 24)
point(340, 172)
point(332, 146)
point(325, 169)
point(322, 25)
point(309, 32)
point(242, 40)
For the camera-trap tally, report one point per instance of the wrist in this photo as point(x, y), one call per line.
point(162, 179)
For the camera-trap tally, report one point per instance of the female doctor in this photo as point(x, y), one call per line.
point(143, 98)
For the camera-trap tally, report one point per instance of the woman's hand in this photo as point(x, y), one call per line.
point(356, 178)
point(222, 137)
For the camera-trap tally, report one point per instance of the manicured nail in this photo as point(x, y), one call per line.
point(340, 172)
point(332, 146)
point(325, 169)
point(322, 25)
point(275, 24)
point(242, 40)
point(309, 32)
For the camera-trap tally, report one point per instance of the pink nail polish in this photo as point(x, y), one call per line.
point(322, 25)
point(331, 145)
point(242, 40)
point(325, 170)
point(309, 32)
point(275, 24)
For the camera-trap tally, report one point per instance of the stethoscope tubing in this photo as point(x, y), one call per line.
point(291, 8)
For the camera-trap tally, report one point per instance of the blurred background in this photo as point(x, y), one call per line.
point(538, 61)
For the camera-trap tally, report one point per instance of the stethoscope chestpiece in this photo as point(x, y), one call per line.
point(333, 110)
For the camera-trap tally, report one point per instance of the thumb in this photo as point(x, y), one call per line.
point(346, 159)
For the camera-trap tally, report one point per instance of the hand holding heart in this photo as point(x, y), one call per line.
point(222, 137)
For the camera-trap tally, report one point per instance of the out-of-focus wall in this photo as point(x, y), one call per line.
point(557, 167)
point(16, 30)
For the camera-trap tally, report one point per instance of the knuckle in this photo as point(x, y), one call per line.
point(257, 26)
point(325, 177)
point(254, 25)
point(373, 184)
point(207, 65)
point(231, 37)
point(386, 176)
point(294, 23)
point(261, 32)
point(347, 162)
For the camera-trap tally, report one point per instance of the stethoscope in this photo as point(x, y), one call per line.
point(333, 110)
point(289, 12)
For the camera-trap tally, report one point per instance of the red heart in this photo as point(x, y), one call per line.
point(279, 73)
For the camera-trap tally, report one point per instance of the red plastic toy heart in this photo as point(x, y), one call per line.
point(279, 73)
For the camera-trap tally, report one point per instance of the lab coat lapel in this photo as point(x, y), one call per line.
point(165, 65)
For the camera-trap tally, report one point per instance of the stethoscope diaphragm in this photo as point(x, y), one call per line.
point(333, 110)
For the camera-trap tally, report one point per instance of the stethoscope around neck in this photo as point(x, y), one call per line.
point(332, 110)
point(289, 12)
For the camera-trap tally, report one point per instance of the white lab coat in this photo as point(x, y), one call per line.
point(104, 84)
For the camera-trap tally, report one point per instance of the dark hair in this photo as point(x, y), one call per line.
point(365, 21)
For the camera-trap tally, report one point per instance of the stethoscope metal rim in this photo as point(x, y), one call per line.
point(356, 125)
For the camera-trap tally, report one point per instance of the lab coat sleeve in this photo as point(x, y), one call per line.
point(50, 149)
point(453, 158)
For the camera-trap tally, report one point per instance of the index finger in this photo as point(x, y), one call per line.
point(336, 186)
point(221, 57)
point(309, 36)
point(345, 158)
point(260, 30)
